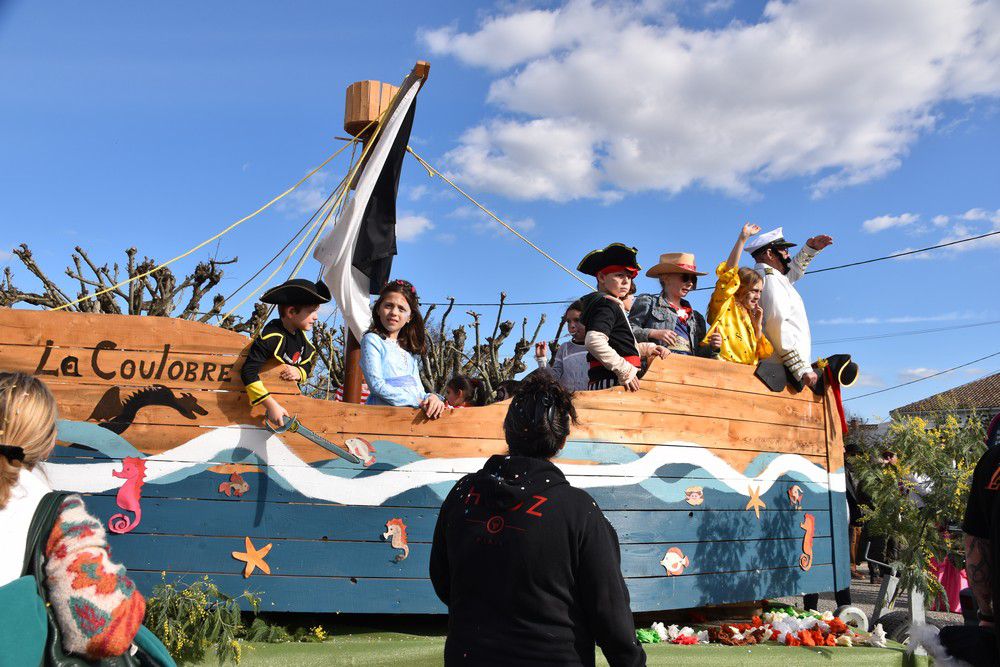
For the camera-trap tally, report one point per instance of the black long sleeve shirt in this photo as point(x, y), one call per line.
point(530, 570)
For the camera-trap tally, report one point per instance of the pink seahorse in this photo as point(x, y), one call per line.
point(134, 473)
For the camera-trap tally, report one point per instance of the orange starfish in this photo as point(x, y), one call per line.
point(254, 558)
point(755, 502)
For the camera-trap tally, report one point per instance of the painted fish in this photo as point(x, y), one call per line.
point(236, 486)
point(674, 562)
point(362, 449)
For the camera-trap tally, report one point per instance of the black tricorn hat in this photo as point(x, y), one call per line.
point(616, 254)
point(297, 292)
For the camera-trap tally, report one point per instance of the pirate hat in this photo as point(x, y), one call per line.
point(772, 239)
point(675, 262)
point(297, 292)
point(613, 255)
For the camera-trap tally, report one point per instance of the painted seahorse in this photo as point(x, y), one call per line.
point(116, 415)
point(129, 494)
point(808, 525)
point(396, 529)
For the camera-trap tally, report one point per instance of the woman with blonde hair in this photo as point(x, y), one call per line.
point(734, 310)
point(97, 607)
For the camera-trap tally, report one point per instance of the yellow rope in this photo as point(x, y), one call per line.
point(213, 238)
point(344, 188)
point(432, 172)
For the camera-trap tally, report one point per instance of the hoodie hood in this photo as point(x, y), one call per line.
point(508, 480)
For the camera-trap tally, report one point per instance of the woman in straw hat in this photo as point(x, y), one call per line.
point(667, 318)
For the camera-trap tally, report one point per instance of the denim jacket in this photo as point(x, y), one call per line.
point(650, 311)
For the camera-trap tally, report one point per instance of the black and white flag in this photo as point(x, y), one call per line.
point(357, 253)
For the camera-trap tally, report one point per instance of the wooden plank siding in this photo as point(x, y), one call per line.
point(329, 557)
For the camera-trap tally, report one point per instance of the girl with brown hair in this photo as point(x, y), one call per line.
point(391, 349)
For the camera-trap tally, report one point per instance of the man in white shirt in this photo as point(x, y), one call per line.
point(786, 324)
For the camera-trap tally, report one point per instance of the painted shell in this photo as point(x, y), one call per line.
point(694, 495)
point(674, 562)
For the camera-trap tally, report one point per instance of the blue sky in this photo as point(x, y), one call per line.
point(662, 124)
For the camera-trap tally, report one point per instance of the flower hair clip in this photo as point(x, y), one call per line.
point(406, 285)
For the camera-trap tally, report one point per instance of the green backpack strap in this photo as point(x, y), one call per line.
point(45, 517)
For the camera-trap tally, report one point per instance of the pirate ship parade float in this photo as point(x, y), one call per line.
point(720, 489)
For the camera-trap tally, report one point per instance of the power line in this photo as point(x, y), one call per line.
point(908, 252)
point(701, 289)
point(928, 377)
point(906, 333)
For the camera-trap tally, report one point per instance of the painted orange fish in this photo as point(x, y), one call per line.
point(362, 449)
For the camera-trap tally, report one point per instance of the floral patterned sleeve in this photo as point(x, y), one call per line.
point(96, 605)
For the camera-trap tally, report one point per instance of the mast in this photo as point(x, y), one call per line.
point(366, 101)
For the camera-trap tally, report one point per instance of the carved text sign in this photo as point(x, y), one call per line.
point(107, 362)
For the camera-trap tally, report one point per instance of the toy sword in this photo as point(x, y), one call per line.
point(293, 425)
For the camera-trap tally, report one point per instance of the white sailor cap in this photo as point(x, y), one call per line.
point(774, 238)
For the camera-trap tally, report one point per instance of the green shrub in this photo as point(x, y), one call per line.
point(919, 494)
point(191, 619)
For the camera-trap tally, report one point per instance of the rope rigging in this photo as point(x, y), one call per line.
point(204, 243)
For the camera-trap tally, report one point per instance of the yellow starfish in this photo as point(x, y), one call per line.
point(254, 558)
point(755, 502)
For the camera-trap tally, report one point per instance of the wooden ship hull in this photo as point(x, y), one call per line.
point(720, 490)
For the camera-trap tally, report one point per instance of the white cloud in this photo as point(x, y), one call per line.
point(909, 374)
point(5, 255)
point(417, 192)
point(597, 99)
point(904, 319)
point(883, 222)
point(976, 214)
point(869, 380)
point(409, 227)
point(964, 225)
point(309, 196)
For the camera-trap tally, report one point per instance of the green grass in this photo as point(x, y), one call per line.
point(400, 649)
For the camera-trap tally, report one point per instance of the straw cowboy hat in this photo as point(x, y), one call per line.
point(675, 262)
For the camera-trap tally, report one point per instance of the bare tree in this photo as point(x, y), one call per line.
point(161, 294)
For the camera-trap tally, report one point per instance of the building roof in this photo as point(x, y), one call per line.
point(982, 394)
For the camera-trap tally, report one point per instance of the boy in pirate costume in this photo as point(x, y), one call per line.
point(613, 354)
point(284, 339)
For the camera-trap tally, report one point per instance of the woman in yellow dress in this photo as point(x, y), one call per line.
point(734, 310)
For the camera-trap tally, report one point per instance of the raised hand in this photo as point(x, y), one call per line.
point(819, 242)
point(541, 350)
point(749, 230)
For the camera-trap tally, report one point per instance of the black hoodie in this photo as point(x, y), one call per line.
point(530, 570)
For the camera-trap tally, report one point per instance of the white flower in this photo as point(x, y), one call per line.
point(877, 638)
point(686, 632)
point(673, 631)
point(768, 633)
point(736, 633)
point(660, 630)
point(826, 616)
point(844, 640)
point(702, 636)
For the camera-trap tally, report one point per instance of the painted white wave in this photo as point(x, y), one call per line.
point(378, 488)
